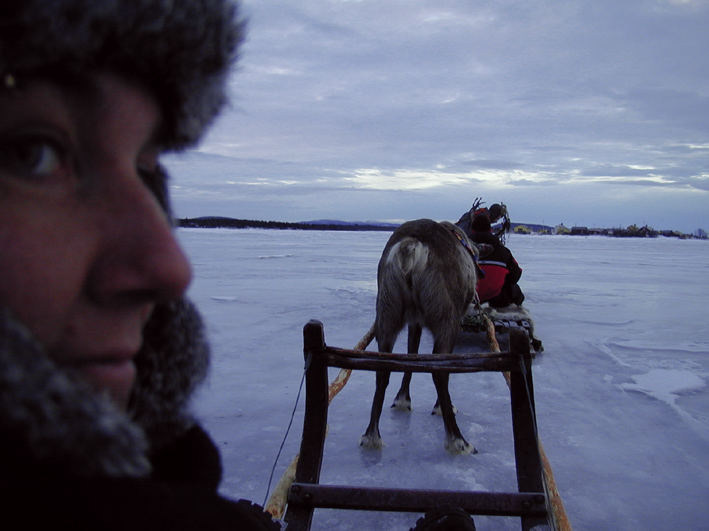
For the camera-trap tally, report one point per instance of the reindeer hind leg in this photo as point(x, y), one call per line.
point(403, 396)
point(372, 438)
point(437, 349)
point(455, 442)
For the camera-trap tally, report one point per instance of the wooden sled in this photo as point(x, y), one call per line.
point(531, 503)
point(505, 319)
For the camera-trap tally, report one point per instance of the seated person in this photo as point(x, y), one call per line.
point(499, 286)
point(495, 213)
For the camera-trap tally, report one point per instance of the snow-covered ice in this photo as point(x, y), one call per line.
point(621, 394)
point(666, 384)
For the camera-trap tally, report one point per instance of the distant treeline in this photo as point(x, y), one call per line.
point(213, 222)
point(633, 231)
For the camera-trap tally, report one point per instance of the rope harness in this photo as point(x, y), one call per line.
point(468, 247)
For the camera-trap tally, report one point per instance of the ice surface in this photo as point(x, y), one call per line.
point(621, 395)
point(665, 384)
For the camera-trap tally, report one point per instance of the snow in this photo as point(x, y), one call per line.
point(666, 384)
point(621, 395)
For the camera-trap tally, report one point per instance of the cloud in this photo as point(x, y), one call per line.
point(419, 103)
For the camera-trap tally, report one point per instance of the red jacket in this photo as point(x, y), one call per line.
point(501, 272)
point(490, 285)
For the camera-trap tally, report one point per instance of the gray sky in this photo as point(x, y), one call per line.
point(583, 112)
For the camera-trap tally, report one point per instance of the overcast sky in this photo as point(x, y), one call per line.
point(588, 113)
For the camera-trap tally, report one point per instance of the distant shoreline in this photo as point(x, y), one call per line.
point(217, 222)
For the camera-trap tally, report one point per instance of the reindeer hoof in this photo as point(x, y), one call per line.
point(437, 411)
point(460, 446)
point(373, 442)
point(402, 404)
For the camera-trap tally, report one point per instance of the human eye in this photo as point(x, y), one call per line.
point(34, 157)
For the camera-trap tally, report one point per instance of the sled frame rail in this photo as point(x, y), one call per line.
point(306, 494)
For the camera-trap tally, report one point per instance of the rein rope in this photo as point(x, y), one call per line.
point(277, 502)
point(290, 423)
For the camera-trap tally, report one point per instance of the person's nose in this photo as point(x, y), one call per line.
point(141, 258)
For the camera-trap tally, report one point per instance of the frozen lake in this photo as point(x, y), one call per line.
point(621, 393)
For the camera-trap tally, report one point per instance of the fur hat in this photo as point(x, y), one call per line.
point(179, 49)
point(496, 211)
point(481, 223)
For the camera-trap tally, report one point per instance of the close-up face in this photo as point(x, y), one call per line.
point(86, 251)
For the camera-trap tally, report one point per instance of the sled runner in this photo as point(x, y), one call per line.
point(536, 503)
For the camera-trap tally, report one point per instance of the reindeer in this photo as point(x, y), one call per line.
point(426, 278)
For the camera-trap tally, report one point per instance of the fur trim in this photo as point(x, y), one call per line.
point(181, 49)
point(172, 364)
point(511, 312)
point(53, 422)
